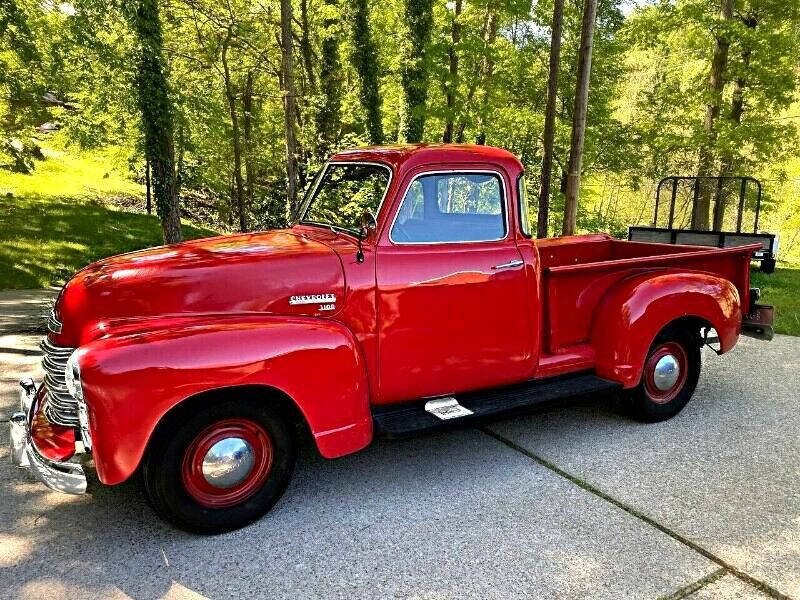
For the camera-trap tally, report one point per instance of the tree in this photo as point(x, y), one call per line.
point(419, 21)
point(579, 118)
point(289, 106)
point(487, 71)
point(365, 61)
point(329, 115)
point(482, 67)
point(675, 46)
point(147, 189)
point(21, 85)
point(247, 136)
point(550, 119)
point(306, 51)
point(716, 83)
point(451, 84)
point(230, 96)
point(152, 93)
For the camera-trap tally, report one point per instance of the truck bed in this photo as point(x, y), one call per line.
point(578, 271)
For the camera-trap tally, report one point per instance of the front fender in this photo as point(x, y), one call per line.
point(132, 380)
point(636, 309)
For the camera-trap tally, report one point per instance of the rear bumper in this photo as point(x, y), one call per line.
point(759, 323)
point(66, 477)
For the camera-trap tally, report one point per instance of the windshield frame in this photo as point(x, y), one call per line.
point(312, 193)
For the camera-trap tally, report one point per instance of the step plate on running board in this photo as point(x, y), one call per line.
point(446, 408)
point(405, 419)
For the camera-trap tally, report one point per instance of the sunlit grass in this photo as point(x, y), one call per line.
point(62, 217)
point(72, 175)
point(782, 290)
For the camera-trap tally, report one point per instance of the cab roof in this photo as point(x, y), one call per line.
point(409, 156)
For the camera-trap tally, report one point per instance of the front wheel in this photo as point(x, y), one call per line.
point(669, 377)
point(220, 468)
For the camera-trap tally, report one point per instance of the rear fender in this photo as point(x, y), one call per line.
point(636, 309)
point(131, 381)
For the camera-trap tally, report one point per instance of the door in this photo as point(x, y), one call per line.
point(451, 289)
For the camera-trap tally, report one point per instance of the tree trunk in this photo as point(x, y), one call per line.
point(365, 63)
point(473, 86)
point(289, 107)
point(149, 204)
point(179, 165)
point(579, 119)
point(152, 92)
point(737, 108)
point(452, 84)
point(716, 83)
point(550, 119)
point(329, 116)
point(419, 18)
point(232, 201)
point(488, 71)
point(247, 138)
point(236, 140)
point(305, 47)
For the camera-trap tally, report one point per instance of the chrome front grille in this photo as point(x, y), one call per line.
point(53, 324)
point(61, 408)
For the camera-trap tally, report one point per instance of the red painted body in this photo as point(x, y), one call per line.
point(54, 442)
point(160, 326)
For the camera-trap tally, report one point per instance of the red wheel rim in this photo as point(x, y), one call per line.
point(661, 395)
point(241, 433)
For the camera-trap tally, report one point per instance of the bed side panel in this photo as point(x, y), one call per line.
point(573, 292)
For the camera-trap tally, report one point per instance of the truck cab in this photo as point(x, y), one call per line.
point(408, 296)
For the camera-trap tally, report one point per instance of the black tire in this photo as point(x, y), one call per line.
point(648, 404)
point(163, 468)
point(767, 266)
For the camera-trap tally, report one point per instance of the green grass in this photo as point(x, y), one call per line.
point(63, 216)
point(782, 290)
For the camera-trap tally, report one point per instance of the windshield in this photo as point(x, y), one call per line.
point(343, 193)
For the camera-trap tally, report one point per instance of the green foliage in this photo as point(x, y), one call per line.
point(671, 46)
point(780, 290)
point(365, 63)
point(329, 115)
point(60, 218)
point(152, 93)
point(20, 93)
point(419, 22)
point(369, 71)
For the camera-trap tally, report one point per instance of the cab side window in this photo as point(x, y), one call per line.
point(451, 207)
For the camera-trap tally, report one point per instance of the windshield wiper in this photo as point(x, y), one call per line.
point(332, 227)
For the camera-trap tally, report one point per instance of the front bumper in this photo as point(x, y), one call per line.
point(66, 477)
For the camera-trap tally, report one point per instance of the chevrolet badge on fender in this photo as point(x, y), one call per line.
point(312, 299)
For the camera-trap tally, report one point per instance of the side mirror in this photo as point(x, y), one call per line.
point(366, 223)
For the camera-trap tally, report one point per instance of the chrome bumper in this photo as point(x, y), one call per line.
point(66, 477)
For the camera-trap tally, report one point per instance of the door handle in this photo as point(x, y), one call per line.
point(510, 264)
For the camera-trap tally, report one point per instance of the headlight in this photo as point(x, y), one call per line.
point(72, 377)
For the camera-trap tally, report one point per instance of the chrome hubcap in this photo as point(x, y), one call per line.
point(228, 462)
point(666, 372)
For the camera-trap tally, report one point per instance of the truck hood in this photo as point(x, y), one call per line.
point(275, 272)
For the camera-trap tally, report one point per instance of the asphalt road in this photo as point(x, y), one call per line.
point(574, 502)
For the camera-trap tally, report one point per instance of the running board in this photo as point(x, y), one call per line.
point(431, 414)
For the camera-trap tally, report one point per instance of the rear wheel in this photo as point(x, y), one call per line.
point(219, 468)
point(669, 377)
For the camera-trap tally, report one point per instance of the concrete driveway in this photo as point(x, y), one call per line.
point(575, 502)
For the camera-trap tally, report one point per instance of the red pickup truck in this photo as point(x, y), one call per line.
point(408, 297)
